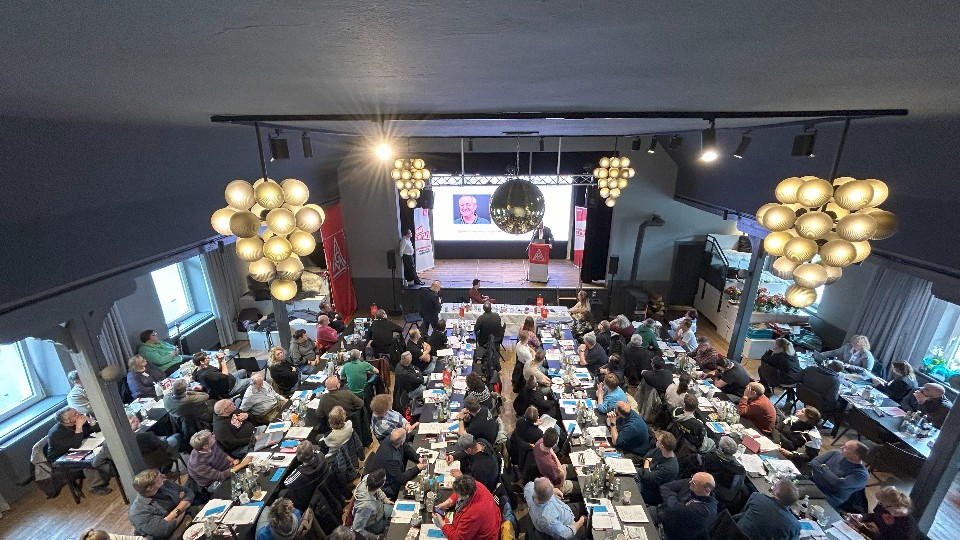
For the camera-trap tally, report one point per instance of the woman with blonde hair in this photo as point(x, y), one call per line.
point(890, 519)
point(141, 377)
point(283, 373)
point(341, 429)
point(856, 355)
point(779, 365)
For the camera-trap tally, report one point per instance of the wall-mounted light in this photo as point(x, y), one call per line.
point(307, 147)
point(653, 145)
point(383, 151)
point(278, 147)
point(742, 147)
point(708, 144)
point(675, 142)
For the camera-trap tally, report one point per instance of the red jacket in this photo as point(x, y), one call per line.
point(326, 337)
point(760, 411)
point(479, 519)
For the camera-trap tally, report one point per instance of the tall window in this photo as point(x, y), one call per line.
point(942, 357)
point(19, 386)
point(174, 293)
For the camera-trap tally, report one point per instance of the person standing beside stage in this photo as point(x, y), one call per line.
point(476, 297)
point(430, 306)
point(409, 263)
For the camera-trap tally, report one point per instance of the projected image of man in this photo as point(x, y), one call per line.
point(468, 212)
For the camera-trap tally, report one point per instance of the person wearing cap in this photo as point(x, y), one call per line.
point(476, 514)
point(770, 518)
point(477, 458)
point(392, 457)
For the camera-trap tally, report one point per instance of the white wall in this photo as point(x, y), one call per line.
point(142, 311)
point(843, 300)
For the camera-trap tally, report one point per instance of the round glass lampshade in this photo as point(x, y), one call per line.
point(887, 224)
point(302, 243)
point(615, 192)
point(775, 241)
point(250, 249)
point(517, 206)
point(838, 253)
point(614, 172)
point(603, 173)
point(611, 202)
point(799, 296)
point(857, 227)
point(405, 174)
point(841, 180)
point(414, 193)
point(813, 225)
point(624, 162)
point(880, 191)
point(622, 183)
point(604, 163)
point(763, 210)
point(244, 224)
point(399, 183)
point(863, 251)
point(815, 192)
point(408, 185)
point(779, 218)
point(783, 268)
point(426, 174)
point(395, 174)
point(833, 274)
point(786, 190)
point(419, 184)
point(290, 269)
point(602, 183)
point(277, 249)
point(308, 219)
point(418, 163)
point(799, 249)
point(854, 195)
point(615, 162)
point(269, 195)
point(411, 203)
point(404, 193)
point(281, 221)
point(810, 275)
point(283, 289)
point(262, 270)
point(220, 220)
point(398, 164)
point(295, 192)
point(604, 192)
point(631, 172)
point(260, 181)
point(267, 234)
point(239, 195)
point(835, 211)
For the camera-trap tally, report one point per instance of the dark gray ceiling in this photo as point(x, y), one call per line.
point(180, 62)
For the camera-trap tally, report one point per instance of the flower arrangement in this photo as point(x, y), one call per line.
point(938, 365)
point(766, 301)
point(734, 293)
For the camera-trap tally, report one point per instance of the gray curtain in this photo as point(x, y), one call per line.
point(894, 315)
point(225, 291)
point(113, 340)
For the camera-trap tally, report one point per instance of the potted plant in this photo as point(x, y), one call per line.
point(734, 293)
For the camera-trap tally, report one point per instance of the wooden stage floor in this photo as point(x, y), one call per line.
point(501, 273)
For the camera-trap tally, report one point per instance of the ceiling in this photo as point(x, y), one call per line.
point(181, 62)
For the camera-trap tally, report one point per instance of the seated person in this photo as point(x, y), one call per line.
point(333, 397)
point(690, 315)
point(69, 432)
point(628, 431)
point(209, 464)
point(357, 372)
point(478, 459)
point(261, 401)
point(141, 376)
point(798, 436)
point(825, 382)
point(890, 519)
point(550, 515)
point(284, 375)
point(648, 335)
point(326, 335)
point(219, 383)
point(592, 356)
point(658, 377)
point(685, 337)
point(731, 377)
point(77, 396)
point(604, 335)
point(341, 430)
point(283, 521)
point(779, 365)
point(409, 382)
point(636, 359)
point(182, 402)
point(855, 356)
point(392, 457)
point(477, 420)
point(689, 507)
point(160, 507)
point(549, 464)
point(158, 453)
point(165, 356)
point(381, 333)
point(727, 472)
point(304, 353)
point(688, 429)
point(677, 391)
point(770, 518)
point(438, 339)
point(903, 381)
point(616, 367)
point(660, 466)
point(536, 368)
point(336, 319)
point(705, 355)
point(931, 401)
point(384, 419)
point(609, 394)
point(476, 297)
point(840, 473)
point(420, 350)
point(305, 479)
point(477, 515)
point(371, 508)
point(756, 407)
point(530, 327)
point(528, 428)
point(478, 390)
point(233, 428)
point(621, 325)
point(541, 397)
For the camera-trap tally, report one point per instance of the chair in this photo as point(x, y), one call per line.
point(789, 392)
point(892, 457)
point(813, 399)
point(725, 528)
point(856, 504)
point(51, 478)
point(863, 425)
point(409, 321)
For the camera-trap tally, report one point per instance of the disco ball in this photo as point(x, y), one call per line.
point(517, 206)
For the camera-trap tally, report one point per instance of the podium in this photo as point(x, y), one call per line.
point(538, 255)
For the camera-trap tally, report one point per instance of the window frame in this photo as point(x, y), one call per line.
point(38, 393)
point(187, 291)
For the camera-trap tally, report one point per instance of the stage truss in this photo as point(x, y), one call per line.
point(496, 180)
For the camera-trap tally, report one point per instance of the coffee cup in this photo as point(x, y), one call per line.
point(627, 496)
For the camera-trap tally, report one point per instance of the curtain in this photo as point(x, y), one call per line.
point(225, 291)
point(894, 314)
point(114, 341)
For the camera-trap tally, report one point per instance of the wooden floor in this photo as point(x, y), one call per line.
point(501, 273)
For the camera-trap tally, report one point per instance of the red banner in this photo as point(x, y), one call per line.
point(338, 262)
point(539, 254)
point(579, 230)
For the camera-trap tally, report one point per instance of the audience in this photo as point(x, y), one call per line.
point(333, 397)
point(69, 432)
point(209, 464)
point(685, 336)
point(158, 453)
point(676, 391)
point(689, 430)
point(477, 420)
point(855, 356)
point(648, 335)
point(541, 397)
point(392, 457)
point(159, 509)
point(261, 401)
point(409, 382)
point(840, 473)
point(636, 358)
point(756, 407)
point(326, 335)
point(530, 327)
point(304, 353)
point(184, 403)
point(930, 400)
point(604, 336)
point(609, 393)
point(628, 431)
point(476, 515)
point(381, 333)
point(371, 508)
point(477, 389)
point(420, 351)
point(779, 365)
point(659, 467)
point(550, 515)
point(890, 519)
point(438, 339)
point(549, 464)
point(284, 375)
point(689, 507)
point(727, 472)
point(488, 325)
point(283, 521)
point(478, 459)
point(77, 396)
point(591, 356)
point(357, 372)
point(621, 325)
point(658, 377)
point(798, 436)
point(536, 368)
point(165, 356)
point(705, 355)
point(341, 430)
point(233, 429)
point(141, 376)
point(615, 366)
point(770, 518)
point(384, 419)
point(690, 315)
point(731, 377)
point(825, 382)
point(219, 383)
point(902, 383)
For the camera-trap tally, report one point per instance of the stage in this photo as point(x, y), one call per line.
point(502, 274)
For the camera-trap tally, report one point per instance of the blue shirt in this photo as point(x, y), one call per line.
point(264, 533)
point(387, 423)
point(632, 434)
point(837, 478)
point(765, 518)
point(553, 517)
point(610, 399)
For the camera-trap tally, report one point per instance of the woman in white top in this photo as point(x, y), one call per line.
point(341, 430)
point(533, 369)
point(524, 352)
point(685, 336)
point(690, 314)
point(677, 390)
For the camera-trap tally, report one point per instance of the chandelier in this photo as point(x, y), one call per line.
point(411, 176)
point(612, 176)
point(274, 255)
point(819, 227)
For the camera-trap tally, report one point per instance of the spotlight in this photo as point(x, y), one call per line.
point(307, 147)
point(384, 151)
point(803, 144)
point(278, 148)
point(742, 147)
point(653, 145)
point(541, 144)
point(675, 142)
point(708, 144)
point(636, 144)
point(470, 144)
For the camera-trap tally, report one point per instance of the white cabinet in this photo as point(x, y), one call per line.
point(712, 305)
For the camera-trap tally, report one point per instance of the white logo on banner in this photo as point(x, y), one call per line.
point(538, 256)
point(339, 262)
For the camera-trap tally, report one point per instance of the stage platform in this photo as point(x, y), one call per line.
point(502, 274)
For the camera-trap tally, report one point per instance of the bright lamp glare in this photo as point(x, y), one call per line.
point(708, 155)
point(384, 152)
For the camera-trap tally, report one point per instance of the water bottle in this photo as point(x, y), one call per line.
point(804, 506)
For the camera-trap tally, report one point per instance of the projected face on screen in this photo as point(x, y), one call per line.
point(471, 209)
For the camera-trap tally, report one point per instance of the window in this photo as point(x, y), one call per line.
point(19, 386)
point(941, 359)
point(174, 293)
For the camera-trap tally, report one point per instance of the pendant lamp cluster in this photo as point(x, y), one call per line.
point(274, 255)
point(819, 227)
point(612, 176)
point(411, 176)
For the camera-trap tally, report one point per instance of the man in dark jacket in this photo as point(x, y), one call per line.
point(637, 359)
point(689, 508)
point(825, 382)
point(592, 355)
point(430, 306)
point(477, 420)
point(69, 432)
point(659, 467)
point(929, 399)
point(381, 333)
point(392, 457)
point(303, 481)
point(478, 459)
point(219, 382)
point(687, 427)
point(408, 382)
point(603, 335)
point(658, 377)
point(488, 325)
point(157, 453)
point(233, 429)
point(336, 396)
point(770, 518)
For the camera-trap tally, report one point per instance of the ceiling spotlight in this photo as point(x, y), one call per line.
point(675, 142)
point(307, 147)
point(278, 147)
point(384, 151)
point(708, 144)
point(653, 145)
point(803, 144)
point(541, 144)
point(742, 147)
point(637, 143)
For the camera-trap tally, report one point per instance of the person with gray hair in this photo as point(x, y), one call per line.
point(756, 407)
point(159, 509)
point(637, 358)
point(550, 515)
point(77, 396)
point(476, 513)
point(71, 429)
point(342, 532)
point(591, 356)
point(304, 480)
point(392, 457)
point(726, 470)
point(770, 518)
point(336, 396)
point(621, 325)
point(182, 402)
point(261, 401)
point(233, 428)
point(208, 463)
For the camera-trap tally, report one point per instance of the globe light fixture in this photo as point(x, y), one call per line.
point(779, 218)
point(800, 297)
point(220, 220)
point(411, 176)
point(612, 176)
point(250, 249)
point(283, 289)
point(783, 268)
point(244, 224)
point(262, 270)
point(239, 195)
point(383, 151)
point(269, 194)
point(810, 275)
point(295, 192)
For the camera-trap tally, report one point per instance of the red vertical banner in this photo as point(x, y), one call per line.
point(579, 231)
point(338, 262)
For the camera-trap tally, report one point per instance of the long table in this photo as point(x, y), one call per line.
point(512, 315)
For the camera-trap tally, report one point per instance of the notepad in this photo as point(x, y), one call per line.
point(632, 514)
point(243, 515)
point(90, 443)
point(622, 466)
point(215, 508)
point(277, 426)
point(278, 475)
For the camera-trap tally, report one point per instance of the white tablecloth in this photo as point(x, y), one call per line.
point(511, 315)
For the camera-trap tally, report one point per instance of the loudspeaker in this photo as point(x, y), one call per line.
point(614, 265)
point(593, 197)
point(426, 199)
point(391, 260)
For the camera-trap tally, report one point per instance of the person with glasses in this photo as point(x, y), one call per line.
point(856, 355)
point(162, 354)
point(930, 399)
point(689, 507)
point(71, 429)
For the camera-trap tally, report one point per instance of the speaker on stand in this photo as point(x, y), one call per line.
point(392, 266)
point(612, 268)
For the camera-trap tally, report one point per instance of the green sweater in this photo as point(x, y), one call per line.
point(649, 337)
point(160, 354)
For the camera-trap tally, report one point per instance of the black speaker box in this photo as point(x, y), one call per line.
point(391, 260)
point(426, 199)
point(614, 265)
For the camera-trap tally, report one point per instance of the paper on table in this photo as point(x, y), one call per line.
point(632, 514)
point(215, 508)
point(896, 412)
point(705, 403)
point(404, 511)
point(442, 445)
point(621, 465)
point(441, 467)
point(259, 456)
point(635, 533)
point(752, 463)
point(810, 528)
point(576, 427)
point(766, 444)
point(277, 426)
point(605, 521)
point(445, 352)
point(430, 428)
point(784, 466)
point(298, 432)
point(429, 532)
point(90, 443)
point(586, 458)
point(845, 531)
point(242, 515)
point(436, 376)
point(598, 432)
point(314, 403)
